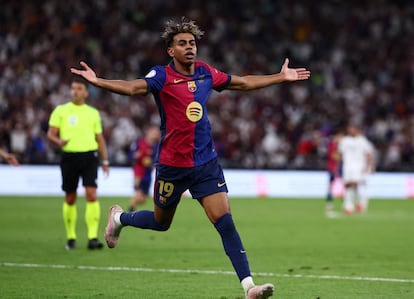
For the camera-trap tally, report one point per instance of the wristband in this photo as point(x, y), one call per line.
point(105, 163)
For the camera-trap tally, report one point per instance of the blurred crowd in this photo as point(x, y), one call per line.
point(360, 54)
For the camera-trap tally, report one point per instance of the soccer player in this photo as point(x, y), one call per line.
point(9, 158)
point(187, 158)
point(144, 153)
point(76, 128)
point(357, 154)
point(333, 166)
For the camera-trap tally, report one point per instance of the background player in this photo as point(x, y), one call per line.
point(357, 154)
point(76, 128)
point(187, 159)
point(333, 167)
point(144, 153)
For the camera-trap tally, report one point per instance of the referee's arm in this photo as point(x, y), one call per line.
point(53, 135)
point(103, 153)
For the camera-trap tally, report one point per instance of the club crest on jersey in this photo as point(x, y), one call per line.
point(163, 200)
point(191, 85)
point(194, 111)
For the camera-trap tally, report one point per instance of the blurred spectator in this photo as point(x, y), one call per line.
point(360, 54)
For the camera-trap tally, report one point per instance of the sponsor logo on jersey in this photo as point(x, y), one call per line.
point(194, 111)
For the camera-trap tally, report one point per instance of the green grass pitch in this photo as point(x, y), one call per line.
point(289, 242)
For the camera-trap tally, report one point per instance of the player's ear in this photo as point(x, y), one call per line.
point(170, 52)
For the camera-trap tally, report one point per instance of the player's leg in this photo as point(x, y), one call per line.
point(349, 198)
point(350, 177)
point(329, 198)
point(93, 208)
point(70, 179)
point(70, 215)
point(217, 209)
point(141, 187)
point(167, 195)
point(362, 202)
point(209, 186)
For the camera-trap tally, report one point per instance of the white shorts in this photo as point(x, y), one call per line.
point(353, 174)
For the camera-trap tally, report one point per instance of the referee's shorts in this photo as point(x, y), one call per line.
point(76, 165)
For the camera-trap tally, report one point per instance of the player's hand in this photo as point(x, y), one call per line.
point(11, 159)
point(105, 169)
point(86, 73)
point(62, 142)
point(294, 74)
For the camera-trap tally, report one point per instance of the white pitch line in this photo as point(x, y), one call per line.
point(195, 271)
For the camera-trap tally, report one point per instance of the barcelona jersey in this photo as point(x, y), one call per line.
point(143, 163)
point(186, 139)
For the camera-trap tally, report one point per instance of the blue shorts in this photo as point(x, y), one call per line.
point(142, 184)
point(201, 181)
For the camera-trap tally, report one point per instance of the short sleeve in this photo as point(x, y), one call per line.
point(98, 123)
point(220, 79)
point(155, 79)
point(55, 118)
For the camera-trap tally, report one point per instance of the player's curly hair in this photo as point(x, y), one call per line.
point(173, 27)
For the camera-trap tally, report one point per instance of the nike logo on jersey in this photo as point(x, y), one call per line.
point(221, 184)
point(177, 81)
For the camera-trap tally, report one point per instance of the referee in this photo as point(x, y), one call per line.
point(76, 128)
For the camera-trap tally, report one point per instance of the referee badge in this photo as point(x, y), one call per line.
point(73, 120)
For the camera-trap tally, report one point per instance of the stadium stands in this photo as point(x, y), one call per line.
point(360, 54)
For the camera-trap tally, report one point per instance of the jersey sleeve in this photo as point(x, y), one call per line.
point(98, 124)
point(55, 118)
point(220, 79)
point(155, 79)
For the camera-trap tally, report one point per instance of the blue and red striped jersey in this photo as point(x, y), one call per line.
point(186, 139)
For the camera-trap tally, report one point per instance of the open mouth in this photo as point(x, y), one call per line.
point(189, 55)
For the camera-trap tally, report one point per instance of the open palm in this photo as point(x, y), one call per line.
point(294, 74)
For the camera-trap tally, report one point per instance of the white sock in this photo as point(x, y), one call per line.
point(349, 199)
point(247, 283)
point(117, 218)
point(362, 195)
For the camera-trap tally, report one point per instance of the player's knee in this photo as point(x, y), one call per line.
point(163, 228)
point(225, 224)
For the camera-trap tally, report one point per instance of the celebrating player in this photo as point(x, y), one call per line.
point(186, 157)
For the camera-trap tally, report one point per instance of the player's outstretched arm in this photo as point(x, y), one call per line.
point(9, 158)
point(256, 81)
point(133, 87)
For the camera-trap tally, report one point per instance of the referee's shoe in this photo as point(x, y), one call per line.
point(94, 244)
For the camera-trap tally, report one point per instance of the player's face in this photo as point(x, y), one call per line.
point(153, 134)
point(352, 130)
point(78, 92)
point(183, 48)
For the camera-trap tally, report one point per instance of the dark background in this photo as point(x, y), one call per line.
point(360, 53)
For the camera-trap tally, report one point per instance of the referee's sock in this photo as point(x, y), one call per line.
point(92, 216)
point(143, 219)
point(69, 218)
point(233, 246)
